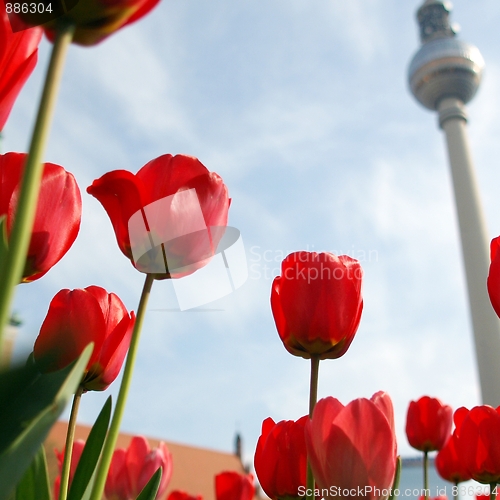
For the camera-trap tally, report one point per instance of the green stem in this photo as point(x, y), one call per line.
point(426, 476)
point(455, 496)
point(313, 397)
point(68, 450)
point(114, 429)
point(11, 269)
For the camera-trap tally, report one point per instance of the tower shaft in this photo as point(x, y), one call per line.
point(475, 247)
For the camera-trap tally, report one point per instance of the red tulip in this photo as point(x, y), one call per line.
point(18, 57)
point(281, 458)
point(428, 424)
point(449, 464)
point(352, 447)
point(317, 303)
point(230, 485)
point(76, 318)
point(182, 495)
point(478, 443)
point(165, 212)
point(76, 453)
point(57, 219)
point(493, 282)
point(132, 468)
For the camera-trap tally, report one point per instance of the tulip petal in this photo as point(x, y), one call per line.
point(65, 333)
point(137, 452)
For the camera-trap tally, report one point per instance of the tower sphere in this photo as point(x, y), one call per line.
point(444, 66)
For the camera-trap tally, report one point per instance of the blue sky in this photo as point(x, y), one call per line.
point(303, 108)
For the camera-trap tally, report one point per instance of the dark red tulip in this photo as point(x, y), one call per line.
point(132, 468)
point(163, 215)
point(94, 20)
point(78, 447)
point(478, 443)
point(493, 282)
point(317, 303)
point(76, 318)
point(353, 447)
point(428, 424)
point(230, 485)
point(281, 458)
point(18, 57)
point(449, 464)
point(58, 213)
point(182, 495)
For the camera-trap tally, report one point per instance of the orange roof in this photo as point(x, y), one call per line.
point(194, 469)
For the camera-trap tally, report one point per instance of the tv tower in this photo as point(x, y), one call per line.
point(444, 75)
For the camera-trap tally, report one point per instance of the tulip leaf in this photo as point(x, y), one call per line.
point(30, 403)
point(4, 244)
point(151, 489)
point(397, 477)
point(35, 485)
point(90, 454)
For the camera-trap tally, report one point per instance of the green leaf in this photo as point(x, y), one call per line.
point(30, 403)
point(151, 489)
point(35, 485)
point(91, 453)
point(4, 244)
point(397, 477)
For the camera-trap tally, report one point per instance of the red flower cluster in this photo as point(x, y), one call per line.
point(132, 468)
point(58, 213)
point(317, 303)
point(76, 318)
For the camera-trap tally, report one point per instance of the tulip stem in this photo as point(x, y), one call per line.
point(313, 397)
point(455, 494)
point(11, 269)
point(493, 491)
point(114, 429)
point(426, 477)
point(68, 450)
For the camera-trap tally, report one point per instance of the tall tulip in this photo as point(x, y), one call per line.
point(353, 447)
point(317, 303)
point(76, 318)
point(166, 212)
point(479, 443)
point(493, 281)
point(231, 485)
point(132, 468)
point(18, 58)
point(428, 424)
point(58, 213)
point(281, 458)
